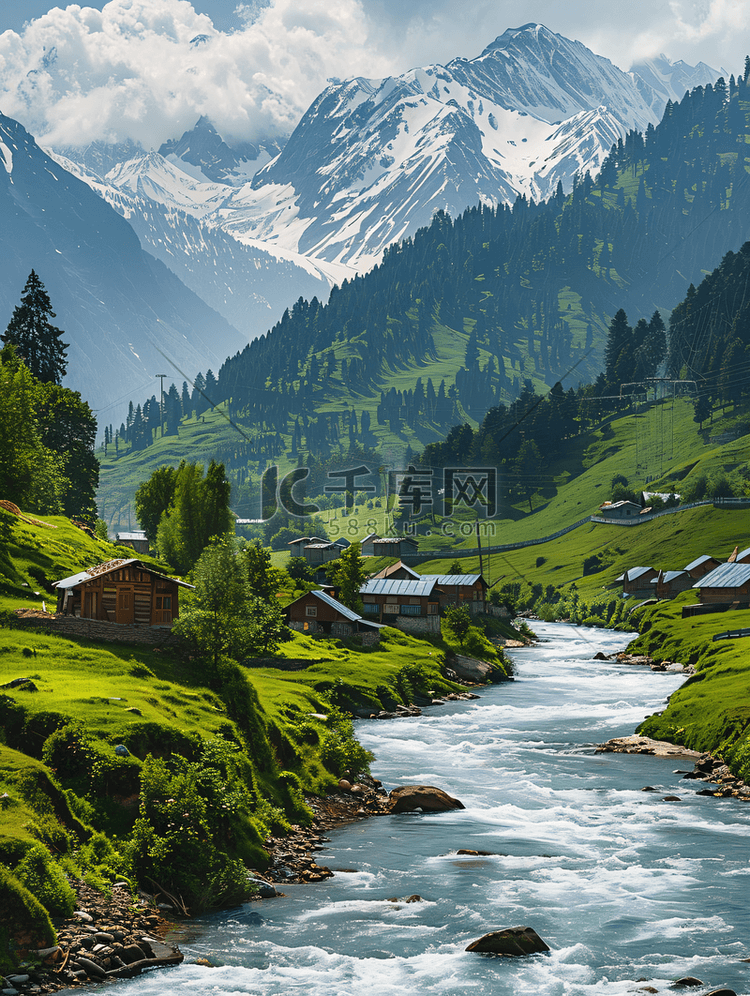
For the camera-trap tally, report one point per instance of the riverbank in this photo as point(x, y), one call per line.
point(707, 768)
point(108, 937)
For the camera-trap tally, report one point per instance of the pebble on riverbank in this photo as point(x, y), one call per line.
point(643, 660)
point(106, 938)
point(706, 768)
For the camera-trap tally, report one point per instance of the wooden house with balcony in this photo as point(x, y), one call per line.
point(126, 592)
point(460, 589)
point(411, 605)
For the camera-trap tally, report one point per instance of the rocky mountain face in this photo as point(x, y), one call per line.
point(372, 160)
point(125, 314)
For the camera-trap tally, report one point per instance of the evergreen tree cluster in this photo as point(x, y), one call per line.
point(182, 510)
point(47, 435)
point(664, 208)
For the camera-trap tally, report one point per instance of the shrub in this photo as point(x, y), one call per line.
point(340, 751)
point(43, 877)
point(21, 914)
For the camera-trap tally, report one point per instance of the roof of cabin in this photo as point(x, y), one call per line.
point(106, 568)
point(392, 586)
point(456, 579)
point(698, 561)
point(398, 566)
point(339, 607)
point(633, 573)
point(726, 576)
point(666, 576)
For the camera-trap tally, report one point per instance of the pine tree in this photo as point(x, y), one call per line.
point(35, 338)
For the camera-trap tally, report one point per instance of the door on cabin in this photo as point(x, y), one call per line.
point(125, 605)
point(90, 604)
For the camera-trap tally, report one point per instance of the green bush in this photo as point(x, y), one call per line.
point(41, 875)
point(21, 915)
point(340, 751)
point(195, 828)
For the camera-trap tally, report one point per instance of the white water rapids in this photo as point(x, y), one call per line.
point(627, 889)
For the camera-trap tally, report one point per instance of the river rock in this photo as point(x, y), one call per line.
point(409, 798)
point(471, 669)
point(721, 992)
point(510, 942)
point(687, 981)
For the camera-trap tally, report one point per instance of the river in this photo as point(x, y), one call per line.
point(628, 890)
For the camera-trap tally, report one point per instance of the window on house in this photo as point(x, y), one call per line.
point(411, 610)
point(391, 609)
point(371, 608)
point(311, 610)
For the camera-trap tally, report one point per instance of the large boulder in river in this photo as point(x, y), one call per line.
point(510, 942)
point(470, 669)
point(409, 798)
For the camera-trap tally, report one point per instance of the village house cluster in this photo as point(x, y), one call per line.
point(720, 585)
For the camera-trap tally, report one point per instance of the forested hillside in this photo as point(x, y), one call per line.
point(472, 313)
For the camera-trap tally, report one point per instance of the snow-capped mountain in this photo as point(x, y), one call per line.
point(660, 80)
point(214, 160)
point(174, 215)
point(372, 160)
point(126, 316)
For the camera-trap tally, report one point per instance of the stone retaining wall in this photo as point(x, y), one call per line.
point(95, 629)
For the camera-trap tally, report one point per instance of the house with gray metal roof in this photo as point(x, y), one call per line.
point(460, 589)
point(667, 584)
point(137, 539)
point(701, 565)
point(412, 605)
point(726, 585)
point(636, 582)
point(318, 613)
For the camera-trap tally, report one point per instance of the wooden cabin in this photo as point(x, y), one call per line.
point(136, 540)
point(728, 585)
point(701, 566)
point(398, 572)
point(409, 605)
point(126, 592)
point(667, 584)
point(620, 510)
point(392, 546)
point(460, 589)
point(319, 613)
point(636, 582)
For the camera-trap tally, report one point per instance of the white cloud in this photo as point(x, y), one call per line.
point(135, 69)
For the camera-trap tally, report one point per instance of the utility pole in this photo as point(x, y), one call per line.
point(479, 545)
point(161, 401)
